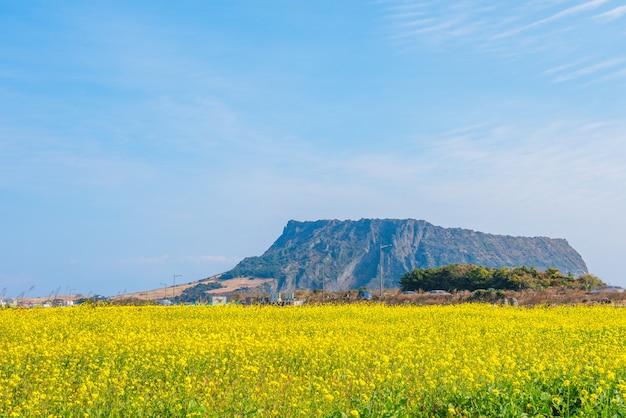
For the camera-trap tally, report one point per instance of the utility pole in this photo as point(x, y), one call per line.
point(380, 264)
point(164, 290)
point(174, 290)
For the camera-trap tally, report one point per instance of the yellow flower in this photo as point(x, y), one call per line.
point(304, 361)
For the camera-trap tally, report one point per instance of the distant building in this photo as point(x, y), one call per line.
point(219, 300)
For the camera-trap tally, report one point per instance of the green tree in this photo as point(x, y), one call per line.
point(471, 277)
point(588, 282)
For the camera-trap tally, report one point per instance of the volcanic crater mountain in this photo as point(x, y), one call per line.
point(342, 255)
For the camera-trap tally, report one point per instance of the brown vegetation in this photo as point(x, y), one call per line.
point(529, 298)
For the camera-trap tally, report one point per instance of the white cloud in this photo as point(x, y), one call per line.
point(612, 14)
point(562, 67)
point(561, 161)
point(608, 77)
point(589, 70)
point(593, 4)
point(545, 33)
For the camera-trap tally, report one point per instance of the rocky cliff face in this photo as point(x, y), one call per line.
point(340, 255)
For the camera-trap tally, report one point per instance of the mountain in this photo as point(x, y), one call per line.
point(341, 255)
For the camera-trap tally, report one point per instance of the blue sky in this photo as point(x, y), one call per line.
point(139, 140)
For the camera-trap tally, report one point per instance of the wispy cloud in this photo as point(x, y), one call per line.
point(553, 162)
point(621, 74)
point(550, 32)
point(556, 16)
point(589, 70)
point(612, 14)
point(563, 67)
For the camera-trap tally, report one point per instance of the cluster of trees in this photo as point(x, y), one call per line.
point(197, 292)
point(267, 267)
point(472, 277)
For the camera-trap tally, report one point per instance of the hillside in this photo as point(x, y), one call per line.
point(340, 255)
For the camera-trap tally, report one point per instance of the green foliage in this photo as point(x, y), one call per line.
point(487, 295)
point(268, 267)
point(472, 277)
point(589, 281)
point(198, 292)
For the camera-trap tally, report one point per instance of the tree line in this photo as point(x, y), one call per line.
point(472, 277)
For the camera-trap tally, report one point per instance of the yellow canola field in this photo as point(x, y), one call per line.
point(343, 360)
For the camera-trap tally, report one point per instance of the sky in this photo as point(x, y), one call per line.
point(147, 139)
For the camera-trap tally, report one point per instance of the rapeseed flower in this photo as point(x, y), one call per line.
point(355, 360)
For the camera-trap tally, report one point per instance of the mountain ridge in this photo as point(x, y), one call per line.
point(342, 255)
